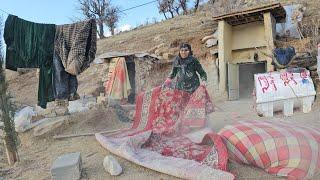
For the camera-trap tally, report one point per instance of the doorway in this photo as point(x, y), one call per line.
point(246, 78)
point(132, 76)
point(241, 79)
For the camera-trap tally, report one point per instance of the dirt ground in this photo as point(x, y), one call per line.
point(38, 153)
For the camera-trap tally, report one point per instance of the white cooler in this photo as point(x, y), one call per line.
point(286, 90)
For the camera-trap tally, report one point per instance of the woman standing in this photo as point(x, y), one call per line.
point(185, 69)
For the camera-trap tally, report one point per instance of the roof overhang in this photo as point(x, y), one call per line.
point(253, 14)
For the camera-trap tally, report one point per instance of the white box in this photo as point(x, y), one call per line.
point(284, 91)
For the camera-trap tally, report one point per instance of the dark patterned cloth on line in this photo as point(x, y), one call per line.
point(75, 44)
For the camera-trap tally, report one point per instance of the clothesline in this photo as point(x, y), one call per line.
point(58, 62)
point(4, 11)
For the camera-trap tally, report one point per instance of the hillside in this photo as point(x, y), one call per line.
point(164, 36)
point(187, 28)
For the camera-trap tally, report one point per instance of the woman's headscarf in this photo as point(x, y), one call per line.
point(186, 45)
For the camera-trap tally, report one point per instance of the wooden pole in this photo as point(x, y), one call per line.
point(7, 112)
point(86, 134)
point(12, 155)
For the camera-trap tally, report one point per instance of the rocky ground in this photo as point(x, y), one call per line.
point(38, 153)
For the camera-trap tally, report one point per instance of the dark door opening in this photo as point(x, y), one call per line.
point(132, 76)
point(246, 77)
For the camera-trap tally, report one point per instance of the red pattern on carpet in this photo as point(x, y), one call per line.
point(171, 114)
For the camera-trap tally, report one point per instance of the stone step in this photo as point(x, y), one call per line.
point(67, 166)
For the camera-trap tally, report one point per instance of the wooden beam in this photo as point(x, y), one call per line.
point(275, 7)
point(86, 134)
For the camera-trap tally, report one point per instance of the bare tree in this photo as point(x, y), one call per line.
point(211, 2)
point(183, 5)
point(171, 7)
point(176, 7)
point(168, 6)
point(95, 9)
point(112, 18)
point(196, 5)
point(154, 20)
point(103, 12)
point(162, 6)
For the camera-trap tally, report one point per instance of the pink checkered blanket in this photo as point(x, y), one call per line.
point(280, 148)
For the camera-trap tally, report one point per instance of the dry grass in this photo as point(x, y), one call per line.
point(191, 28)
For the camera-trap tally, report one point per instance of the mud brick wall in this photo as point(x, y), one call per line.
point(149, 74)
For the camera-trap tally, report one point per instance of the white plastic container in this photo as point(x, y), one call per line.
point(286, 90)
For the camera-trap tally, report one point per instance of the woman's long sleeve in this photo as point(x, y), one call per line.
point(173, 72)
point(200, 70)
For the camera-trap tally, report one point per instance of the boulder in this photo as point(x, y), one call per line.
point(211, 42)
point(22, 119)
point(112, 166)
point(206, 38)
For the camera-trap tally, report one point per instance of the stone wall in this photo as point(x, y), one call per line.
point(150, 74)
point(210, 65)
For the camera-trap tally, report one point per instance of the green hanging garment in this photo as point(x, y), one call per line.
point(31, 45)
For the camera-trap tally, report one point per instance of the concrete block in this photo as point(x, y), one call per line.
point(67, 167)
